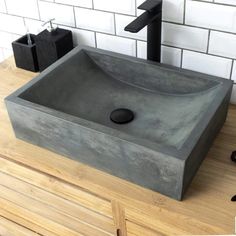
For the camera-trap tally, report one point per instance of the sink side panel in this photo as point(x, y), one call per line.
point(205, 142)
point(131, 162)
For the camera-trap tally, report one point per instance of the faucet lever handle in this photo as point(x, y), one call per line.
point(151, 5)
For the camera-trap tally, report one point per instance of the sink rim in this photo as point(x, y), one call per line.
point(181, 154)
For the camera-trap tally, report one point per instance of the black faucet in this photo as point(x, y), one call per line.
point(152, 18)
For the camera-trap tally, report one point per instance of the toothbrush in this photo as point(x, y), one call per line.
point(29, 41)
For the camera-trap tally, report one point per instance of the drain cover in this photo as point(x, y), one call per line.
point(122, 116)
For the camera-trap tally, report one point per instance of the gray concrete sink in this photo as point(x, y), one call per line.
point(177, 115)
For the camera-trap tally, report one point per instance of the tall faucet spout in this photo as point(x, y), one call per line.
point(152, 18)
point(139, 23)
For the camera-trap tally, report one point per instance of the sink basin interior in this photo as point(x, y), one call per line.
point(167, 104)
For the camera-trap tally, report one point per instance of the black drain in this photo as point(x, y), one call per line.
point(122, 116)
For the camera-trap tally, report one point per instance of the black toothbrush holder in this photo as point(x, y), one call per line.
point(25, 53)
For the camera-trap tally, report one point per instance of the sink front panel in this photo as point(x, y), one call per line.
point(134, 163)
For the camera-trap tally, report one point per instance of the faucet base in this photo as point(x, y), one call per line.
point(154, 39)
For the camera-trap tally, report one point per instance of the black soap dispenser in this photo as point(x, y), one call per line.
point(52, 44)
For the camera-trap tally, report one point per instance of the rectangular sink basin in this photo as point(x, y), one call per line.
point(177, 115)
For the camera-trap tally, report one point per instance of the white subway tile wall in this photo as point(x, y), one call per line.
point(95, 20)
point(2, 9)
point(234, 72)
point(222, 44)
point(230, 2)
point(198, 35)
point(116, 44)
point(34, 26)
point(63, 14)
point(12, 24)
point(182, 36)
point(212, 16)
point(173, 10)
point(27, 8)
point(208, 64)
point(171, 56)
point(120, 6)
point(79, 3)
point(142, 49)
point(82, 37)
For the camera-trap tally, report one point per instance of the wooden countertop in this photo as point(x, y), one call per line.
point(207, 206)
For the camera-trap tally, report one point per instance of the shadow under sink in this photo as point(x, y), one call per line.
point(177, 114)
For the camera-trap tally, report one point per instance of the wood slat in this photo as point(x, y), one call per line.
point(138, 230)
point(49, 214)
point(168, 222)
point(119, 218)
point(9, 228)
point(59, 204)
point(26, 223)
point(35, 219)
point(57, 187)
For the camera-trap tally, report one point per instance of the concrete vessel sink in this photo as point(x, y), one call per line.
point(176, 116)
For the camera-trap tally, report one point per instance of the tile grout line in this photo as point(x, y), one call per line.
point(182, 51)
point(25, 23)
point(95, 33)
point(201, 1)
point(191, 50)
point(231, 71)
point(114, 15)
point(75, 23)
point(89, 8)
point(208, 42)
point(181, 58)
point(5, 6)
point(39, 15)
point(215, 3)
point(95, 37)
point(184, 13)
point(198, 27)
